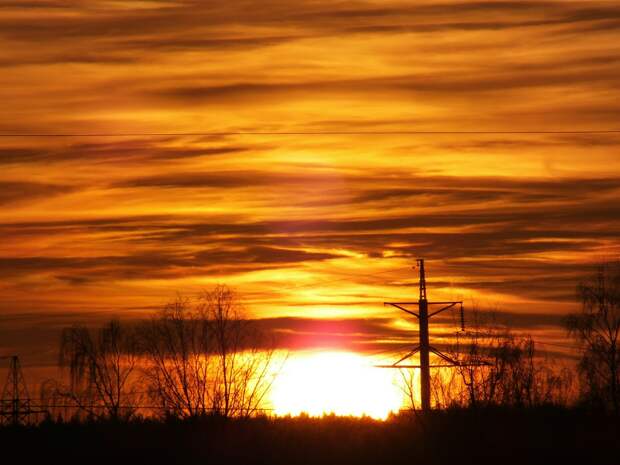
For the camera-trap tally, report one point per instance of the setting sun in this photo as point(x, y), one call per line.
point(343, 383)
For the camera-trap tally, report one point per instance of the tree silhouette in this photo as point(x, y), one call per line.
point(515, 374)
point(204, 356)
point(174, 345)
point(597, 329)
point(496, 368)
point(100, 363)
point(243, 361)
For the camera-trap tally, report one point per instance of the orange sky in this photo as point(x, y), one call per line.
point(308, 226)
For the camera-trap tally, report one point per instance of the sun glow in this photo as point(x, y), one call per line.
point(343, 383)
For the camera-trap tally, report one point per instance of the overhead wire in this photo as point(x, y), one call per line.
point(309, 133)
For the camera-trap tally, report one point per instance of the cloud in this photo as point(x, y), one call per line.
point(231, 179)
point(491, 248)
point(156, 265)
point(35, 335)
point(23, 191)
point(513, 218)
point(485, 81)
point(124, 151)
point(220, 45)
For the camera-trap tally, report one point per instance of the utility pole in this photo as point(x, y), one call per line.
point(424, 348)
point(15, 404)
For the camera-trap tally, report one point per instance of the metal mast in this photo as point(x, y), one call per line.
point(15, 404)
point(424, 347)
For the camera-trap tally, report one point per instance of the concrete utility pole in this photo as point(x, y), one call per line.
point(424, 347)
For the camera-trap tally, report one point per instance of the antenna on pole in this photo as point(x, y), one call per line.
point(420, 262)
point(424, 347)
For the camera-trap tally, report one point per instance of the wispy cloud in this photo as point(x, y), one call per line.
point(316, 224)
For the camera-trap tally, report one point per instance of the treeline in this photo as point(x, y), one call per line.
point(196, 357)
point(204, 357)
point(464, 436)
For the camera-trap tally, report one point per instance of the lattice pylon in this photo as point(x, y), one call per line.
point(15, 402)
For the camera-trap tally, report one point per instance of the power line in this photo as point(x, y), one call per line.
point(309, 133)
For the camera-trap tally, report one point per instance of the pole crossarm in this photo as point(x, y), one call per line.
point(440, 354)
point(417, 366)
point(446, 365)
point(410, 354)
point(448, 306)
point(399, 306)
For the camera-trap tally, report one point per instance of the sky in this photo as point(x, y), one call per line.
point(304, 153)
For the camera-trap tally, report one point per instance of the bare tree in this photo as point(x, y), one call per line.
point(243, 360)
point(446, 388)
point(597, 329)
point(481, 344)
point(495, 368)
point(408, 384)
point(174, 345)
point(205, 356)
point(513, 373)
point(100, 363)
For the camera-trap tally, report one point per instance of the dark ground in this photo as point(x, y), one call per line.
point(545, 436)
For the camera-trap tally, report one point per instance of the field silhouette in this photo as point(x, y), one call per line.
point(464, 436)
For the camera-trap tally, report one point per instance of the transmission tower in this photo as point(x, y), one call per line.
point(15, 404)
point(424, 348)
